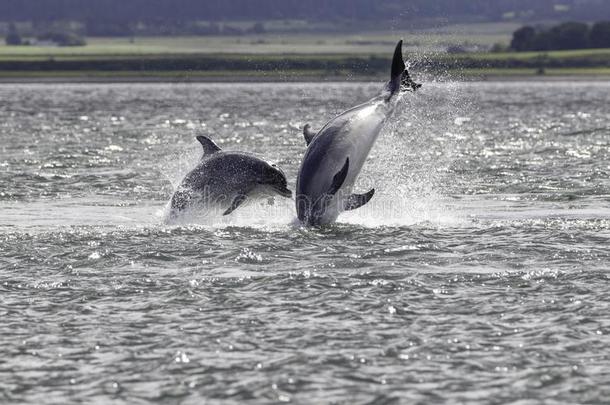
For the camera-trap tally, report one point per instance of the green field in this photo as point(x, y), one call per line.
point(369, 42)
point(579, 53)
point(212, 75)
point(498, 72)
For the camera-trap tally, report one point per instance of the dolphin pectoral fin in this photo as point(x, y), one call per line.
point(237, 201)
point(358, 200)
point(209, 146)
point(321, 203)
point(339, 178)
point(308, 134)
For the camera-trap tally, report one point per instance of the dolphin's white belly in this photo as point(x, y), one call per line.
point(350, 135)
point(355, 141)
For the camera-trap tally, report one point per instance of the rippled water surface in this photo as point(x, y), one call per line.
point(479, 272)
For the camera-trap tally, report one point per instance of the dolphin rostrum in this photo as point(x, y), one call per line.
point(336, 154)
point(222, 181)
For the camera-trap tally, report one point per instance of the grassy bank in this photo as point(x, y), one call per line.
point(288, 58)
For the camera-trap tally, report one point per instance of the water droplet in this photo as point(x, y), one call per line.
point(181, 357)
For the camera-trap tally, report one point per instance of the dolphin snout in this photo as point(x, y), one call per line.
point(283, 191)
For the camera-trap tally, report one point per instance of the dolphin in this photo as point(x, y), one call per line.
point(222, 181)
point(336, 154)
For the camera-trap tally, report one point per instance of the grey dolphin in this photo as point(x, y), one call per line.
point(222, 181)
point(336, 154)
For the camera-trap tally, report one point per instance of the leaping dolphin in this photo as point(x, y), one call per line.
point(222, 181)
point(336, 154)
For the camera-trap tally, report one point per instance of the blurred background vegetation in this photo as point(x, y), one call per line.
point(290, 39)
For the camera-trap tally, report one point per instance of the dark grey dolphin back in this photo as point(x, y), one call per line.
point(225, 179)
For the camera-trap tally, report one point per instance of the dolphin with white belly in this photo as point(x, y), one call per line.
point(222, 181)
point(336, 154)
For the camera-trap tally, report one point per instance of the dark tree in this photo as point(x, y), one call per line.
point(599, 37)
point(570, 35)
point(543, 41)
point(13, 37)
point(63, 38)
point(523, 39)
point(257, 28)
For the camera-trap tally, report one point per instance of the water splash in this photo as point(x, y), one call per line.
point(268, 213)
point(408, 168)
point(410, 164)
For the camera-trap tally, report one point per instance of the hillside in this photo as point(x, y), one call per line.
point(397, 11)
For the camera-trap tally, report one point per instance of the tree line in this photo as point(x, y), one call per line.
point(569, 35)
point(55, 36)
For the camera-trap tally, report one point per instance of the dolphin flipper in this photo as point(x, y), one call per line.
point(338, 181)
point(237, 201)
point(358, 200)
point(209, 146)
point(339, 178)
point(308, 133)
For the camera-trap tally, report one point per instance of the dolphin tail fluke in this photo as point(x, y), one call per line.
point(308, 134)
point(208, 145)
point(358, 200)
point(400, 79)
point(398, 64)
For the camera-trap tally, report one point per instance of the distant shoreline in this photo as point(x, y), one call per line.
point(292, 58)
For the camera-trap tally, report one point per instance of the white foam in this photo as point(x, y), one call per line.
point(273, 213)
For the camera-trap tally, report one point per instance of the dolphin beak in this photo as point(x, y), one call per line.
point(283, 191)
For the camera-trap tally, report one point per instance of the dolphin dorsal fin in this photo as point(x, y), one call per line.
point(308, 133)
point(209, 146)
